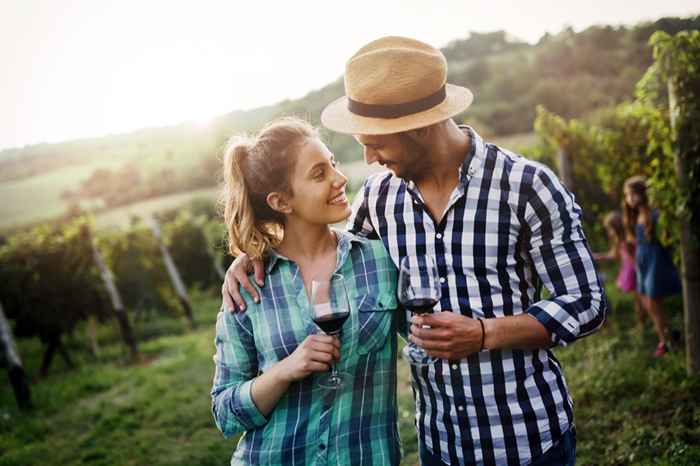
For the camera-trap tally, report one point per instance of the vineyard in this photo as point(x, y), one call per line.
point(107, 322)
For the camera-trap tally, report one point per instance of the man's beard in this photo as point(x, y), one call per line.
point(415, 162)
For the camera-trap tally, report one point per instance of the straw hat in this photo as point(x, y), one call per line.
point(395, 84)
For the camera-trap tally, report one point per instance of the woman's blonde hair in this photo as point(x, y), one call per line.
point(253, 168)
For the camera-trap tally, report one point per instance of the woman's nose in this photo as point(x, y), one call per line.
point(340, 179)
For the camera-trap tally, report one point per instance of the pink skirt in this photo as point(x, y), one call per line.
point(627, 277)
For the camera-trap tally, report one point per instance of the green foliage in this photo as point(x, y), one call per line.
point(47, 282)
point(629, 409)
point(156, 412)
point(637, 138)
point(675, 136)
point(192, 251)
point(584, 145)
point(135, 259)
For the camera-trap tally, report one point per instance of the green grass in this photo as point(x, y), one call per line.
point(121, 216)
point(629, 408)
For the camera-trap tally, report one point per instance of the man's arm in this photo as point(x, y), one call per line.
point(454, 336)
point(560, 254)
point(359, 222)
point(561, 257)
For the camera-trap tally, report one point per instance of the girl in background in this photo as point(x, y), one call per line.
point(657, 277)
point(622, 249)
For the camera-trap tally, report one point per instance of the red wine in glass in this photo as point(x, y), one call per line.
point(330, 308)
point(420, 305)
point(419, 290)
point(332, 323)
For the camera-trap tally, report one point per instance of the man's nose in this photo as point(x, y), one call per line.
point(370, 155)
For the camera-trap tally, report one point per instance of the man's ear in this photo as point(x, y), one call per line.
point(279, 203)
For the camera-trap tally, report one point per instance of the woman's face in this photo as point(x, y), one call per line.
point(318, 186)
point(631, 198)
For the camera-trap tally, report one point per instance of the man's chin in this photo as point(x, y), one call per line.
point(396, 171)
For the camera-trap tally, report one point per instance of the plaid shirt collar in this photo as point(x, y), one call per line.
point(345, 243)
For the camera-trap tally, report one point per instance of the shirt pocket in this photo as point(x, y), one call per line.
point(375, 314)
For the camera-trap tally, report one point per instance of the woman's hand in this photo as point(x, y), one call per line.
point(315, 354)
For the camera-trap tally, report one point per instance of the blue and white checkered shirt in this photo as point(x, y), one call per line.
point(508, 224)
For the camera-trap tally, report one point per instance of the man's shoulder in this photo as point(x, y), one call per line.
point(377, 181)
point(518, 164)
point(511, 157)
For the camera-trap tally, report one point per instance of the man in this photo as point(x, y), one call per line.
point(497, 224)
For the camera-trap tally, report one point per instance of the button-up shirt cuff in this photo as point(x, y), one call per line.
point(563, 328)
point(244, 407)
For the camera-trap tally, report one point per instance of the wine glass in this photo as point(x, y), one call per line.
point(419, 291)
point(330, 309)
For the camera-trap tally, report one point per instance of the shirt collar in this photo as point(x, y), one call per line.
point(475, 156)
point(345, 239)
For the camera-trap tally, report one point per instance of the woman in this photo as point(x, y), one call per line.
point(282, 191)
point(657, 277)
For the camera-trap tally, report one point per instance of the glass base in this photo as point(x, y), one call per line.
point(416, 356)
point(334, 381)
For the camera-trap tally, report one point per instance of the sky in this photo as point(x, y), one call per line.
point(82, 68)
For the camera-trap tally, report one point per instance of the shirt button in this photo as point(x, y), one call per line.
point(442, 279)
point(439, 236)
point(460, 408)
point(455, 367)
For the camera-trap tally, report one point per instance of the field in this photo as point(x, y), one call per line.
point(38, 198)
point(629, 408)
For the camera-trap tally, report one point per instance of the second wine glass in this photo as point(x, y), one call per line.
point(419, 291)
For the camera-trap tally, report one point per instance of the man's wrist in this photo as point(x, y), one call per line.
point(483, 335)
point(490, 334)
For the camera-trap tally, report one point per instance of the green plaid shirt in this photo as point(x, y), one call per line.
point(355, 425)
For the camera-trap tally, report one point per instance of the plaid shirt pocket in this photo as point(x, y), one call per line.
point(375, 314)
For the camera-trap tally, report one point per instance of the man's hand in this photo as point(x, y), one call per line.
point(237, 276)
point(451, 336)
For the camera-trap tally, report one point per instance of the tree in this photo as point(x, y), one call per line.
point(10, 356)
point(677, 65)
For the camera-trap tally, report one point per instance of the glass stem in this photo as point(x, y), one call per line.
point(334, 370)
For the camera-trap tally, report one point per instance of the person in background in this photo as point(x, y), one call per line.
point(657, 277)
point(622, 250)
